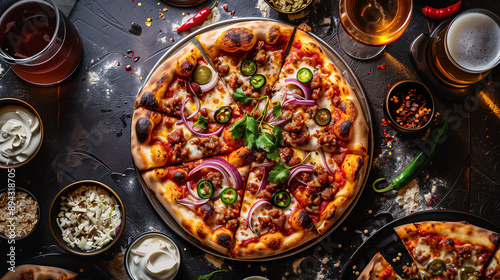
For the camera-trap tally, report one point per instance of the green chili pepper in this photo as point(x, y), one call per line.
point(416, 166)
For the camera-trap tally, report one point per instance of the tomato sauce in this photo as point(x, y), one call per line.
point(245, 243)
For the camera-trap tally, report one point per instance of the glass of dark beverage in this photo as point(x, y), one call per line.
point(369, 25)
point(41, 45)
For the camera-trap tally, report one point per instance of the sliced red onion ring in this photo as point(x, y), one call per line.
point(306, 90)
point(296, 96)
point(211, 84)
point(196, 99)
point(234, 174)
point(208, 164)
point(252, 209)
point(190, 126)
point(325, 162)
point(297, 170)
point(275, 123)
point(188, 202)
point(263, 184)
point(191, 191)
point(267, 164)
point(299, 102)
point(117, 229)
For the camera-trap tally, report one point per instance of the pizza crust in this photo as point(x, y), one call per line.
point(39, 272)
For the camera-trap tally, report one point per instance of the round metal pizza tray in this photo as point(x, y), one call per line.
point(387, 242)
point(351, 79)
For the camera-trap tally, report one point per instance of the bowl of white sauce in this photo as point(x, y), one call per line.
point(21, 133)
point(152, 256)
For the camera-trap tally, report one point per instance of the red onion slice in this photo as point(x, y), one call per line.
point(117, 229)
point(188, 202)
point(252, 209)
point(196, 100)
point(275, 123)
point(211, 84)
point(208, 164)
point(191, 191)
point(299, 102)
point(190, 127)
point(234, 174)
point(325, 162)
point(297, 170)
point(263, 184)
point(306, 90)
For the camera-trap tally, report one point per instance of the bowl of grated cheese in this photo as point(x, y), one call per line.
point(87, 217)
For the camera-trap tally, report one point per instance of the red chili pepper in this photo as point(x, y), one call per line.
point(441, 13)
point(197, 19)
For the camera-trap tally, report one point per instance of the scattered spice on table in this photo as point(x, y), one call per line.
point(381, 66)
point(409, 109)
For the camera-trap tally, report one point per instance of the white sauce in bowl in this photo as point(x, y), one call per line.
point(153, 257)
point(20, 134)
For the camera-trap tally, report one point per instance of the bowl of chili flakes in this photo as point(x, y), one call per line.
point(409, 106)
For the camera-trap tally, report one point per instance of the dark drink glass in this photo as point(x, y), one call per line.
point(41, 45)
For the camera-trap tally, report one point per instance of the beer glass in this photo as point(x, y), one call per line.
point(465, 52)
point(370, 25)
point(41, 45)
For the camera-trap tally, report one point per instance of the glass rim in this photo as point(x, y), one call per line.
point(11, 60)
point(488, 13)
point(403, 26)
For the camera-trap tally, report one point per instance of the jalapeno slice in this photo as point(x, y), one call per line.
point(436, 267)
point(467, 273)
point(205, 189)
point(323, 117)
point(202, 75)
point(304, 75)
point(229, 196)
point(282, 199)
point(258, 81)
point(248, 67)
point(223, 114)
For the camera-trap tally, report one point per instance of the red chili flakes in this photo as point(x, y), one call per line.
point(490, 83)
point(173, 40)
point(379, 151)
point(128, 67)
point(226, 8)
point(83, 79)
point(383, 198)
point(232, 13)
point(388, 85)
point(430, 202)
point(136, 58)
point(381, 66)
point(435, 197)
point(409, 109)
point(88, 69)
point(385, 122)
point(118, 64)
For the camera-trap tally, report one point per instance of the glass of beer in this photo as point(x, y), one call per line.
point(41, 45)
point(465, 52)
point(370, 25)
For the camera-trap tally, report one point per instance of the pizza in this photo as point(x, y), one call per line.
point(38, 272)
point(448, 250)
point(493, 270)
point(239, 166)
point(378, 269)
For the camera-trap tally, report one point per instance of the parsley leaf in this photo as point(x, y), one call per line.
point(277, 110)
point(239, 96)
point(274, 155)
point(265, 142)
point(201, 122)
point(279, 173)
point(251, 132)
point(278, 136)
point(238, 128)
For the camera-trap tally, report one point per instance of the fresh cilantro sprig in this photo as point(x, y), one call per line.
point(280, 172)
point(201, 122)
point(277, 110)
point(251, 130)
point(208, 276)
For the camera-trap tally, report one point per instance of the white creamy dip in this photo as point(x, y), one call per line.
point(153, 257)
point(20, 134)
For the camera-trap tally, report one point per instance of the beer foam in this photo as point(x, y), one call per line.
point(473, 41)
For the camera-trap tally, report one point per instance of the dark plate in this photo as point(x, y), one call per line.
point(89, 271)
point(387, 242)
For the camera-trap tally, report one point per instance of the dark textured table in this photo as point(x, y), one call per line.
point(87, 135)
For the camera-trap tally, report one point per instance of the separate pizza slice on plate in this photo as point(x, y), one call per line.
point(248, 56)
point(319, 109)
point(448, 250)
point(378, 269)
point(158, 140)
point(186, 86)
point(493, 270)
point(204, 196)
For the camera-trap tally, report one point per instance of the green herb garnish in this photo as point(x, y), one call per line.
point(201, 122)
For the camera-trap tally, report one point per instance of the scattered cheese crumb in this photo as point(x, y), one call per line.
point(297, 263)
point(263, 268)
point(93, 78)
point(215, 261)
point(409, 196)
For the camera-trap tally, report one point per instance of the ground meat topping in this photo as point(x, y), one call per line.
point(316, 81)
point(261, 57)
point(215, 177)
point(296, 124)
point(207, 145)
point(327, 140)
point(176, 136)
point(227, 217)
point(172, 106)
point(411, 271)
point(299, 138)
point(233, 81)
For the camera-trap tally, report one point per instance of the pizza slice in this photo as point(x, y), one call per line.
point(34, 272)
point(158, 140)
point(378, 269)
point(447, 250)
point(319, 109)
point(186, 86)
point(493, 270)
point(204, 196)
point(248, 56)
point(323, 188)
point(271, 220)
